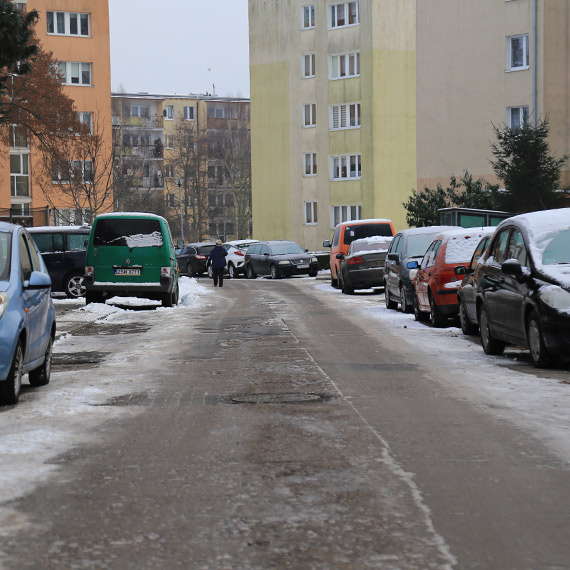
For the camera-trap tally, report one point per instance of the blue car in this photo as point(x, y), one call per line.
point(27, 315)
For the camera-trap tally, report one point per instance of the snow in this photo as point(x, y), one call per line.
point(462, 243)
point(144, 240)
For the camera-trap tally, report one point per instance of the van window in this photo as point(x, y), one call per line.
point(360, 231)
point(336, 237)
point(128, 232)
point(48, 243)
point(76, 242)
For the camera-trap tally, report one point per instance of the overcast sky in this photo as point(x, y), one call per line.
point(180, 46)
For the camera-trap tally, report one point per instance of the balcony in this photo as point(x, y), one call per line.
point(138, 122)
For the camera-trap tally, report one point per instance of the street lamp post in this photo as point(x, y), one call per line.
point(180, 204)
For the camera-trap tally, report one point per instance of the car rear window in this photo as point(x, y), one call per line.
point(360, 231)
point(205, 249)
point(5, 243)
point(128, 232)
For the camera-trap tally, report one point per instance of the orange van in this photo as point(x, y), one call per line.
point(346, 232)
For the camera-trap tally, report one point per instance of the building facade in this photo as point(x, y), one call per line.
point(333, 114)
point(77, 33)
point(488, 63)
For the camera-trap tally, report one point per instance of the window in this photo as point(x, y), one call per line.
point(517, 53)
point(74, 73)
point(346, 167)
point(344, 14)
point(499, 252)
point(309, 164)
point(86, 118)
point(517, 248)
point(309, 115)
point(76, 171)
point(310, 216)
point(517, 116)
point(345, 213)
point(344, 65)
point(309, 65)
point(19, 175)
point(67, 23)
point(169, 112)
point(140, 111)
point(169, 170)
point(189, 113)
point(18, 137)
point(171, 201)
point(344, 116)
point(308, 17)
point(169, 141)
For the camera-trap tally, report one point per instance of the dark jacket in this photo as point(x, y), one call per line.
point(218, 257)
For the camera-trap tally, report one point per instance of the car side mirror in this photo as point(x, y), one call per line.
point(394, 257)
point(340, 256)
point(413, 265)
point(306, 250)
point(180, 243)
point(327, 243)
point(460, 270)
point(515, 269)
point(38, 280)
point(266, 253)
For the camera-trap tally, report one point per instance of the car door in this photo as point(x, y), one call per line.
point(392, 267)
point(262, 260)
point(424, 275)
point(52, 248)
point(468, 292)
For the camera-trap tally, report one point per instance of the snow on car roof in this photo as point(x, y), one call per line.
point(129, 215)
point(461, 243)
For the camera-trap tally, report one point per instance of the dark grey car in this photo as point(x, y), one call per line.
point(407, 245)
point(280, 258)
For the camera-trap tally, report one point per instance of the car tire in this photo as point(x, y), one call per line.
point(10, 388)
point(41, 375)
point(313, 272)
point(274, 272)
point(334, 283)
point(436, 317)
point(94, 297)
point(74, 286)
point(406, 308)
point(490, 345)
point(539, 355)
point(419, 315)
point(468, 328)
point(249, 272)
point(190, 271)
point(232, 273)
point(390, 303)
point(170, 299)
point(343, 287)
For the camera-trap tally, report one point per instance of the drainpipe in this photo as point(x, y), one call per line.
point(534, 60)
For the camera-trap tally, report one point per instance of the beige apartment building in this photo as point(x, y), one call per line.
point(333, 114)
point(485, 63)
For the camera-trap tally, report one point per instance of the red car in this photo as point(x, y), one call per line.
point(437, 279)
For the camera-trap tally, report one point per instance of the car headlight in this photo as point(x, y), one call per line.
point(284, 263)
point(3, 303)
point(555, 297)
point(314, 260)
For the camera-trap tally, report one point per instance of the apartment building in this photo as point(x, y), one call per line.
point(77, 33)
point(486, 63)
point(186, 157)
point(333, 88)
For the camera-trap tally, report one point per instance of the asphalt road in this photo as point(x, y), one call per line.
point(279, 432)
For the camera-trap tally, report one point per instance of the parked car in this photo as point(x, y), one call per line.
point(523, 286)
point(407, 245)
point(346, 232)
point(436, 281)
point(192, 258)
point(236, 257)
point(63, 249)
point(363, 265)
point(27, 316)
point(280, 258)
point(467, 295)
point(131, 254)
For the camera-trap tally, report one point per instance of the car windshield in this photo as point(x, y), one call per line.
point(128, 232)
point(418, 244)
point(286, 248)
point(557, 248)
point(5, 241)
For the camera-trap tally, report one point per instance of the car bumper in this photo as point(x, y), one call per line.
point(127, 289)
point(9, 334)
point(556, 334)
point(364, 278)
point(288, 271)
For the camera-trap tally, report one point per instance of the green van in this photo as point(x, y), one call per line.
point(131, 255)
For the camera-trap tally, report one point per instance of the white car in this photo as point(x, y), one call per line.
point(236, 255)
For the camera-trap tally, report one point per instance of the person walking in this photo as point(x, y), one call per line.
point(217, 258)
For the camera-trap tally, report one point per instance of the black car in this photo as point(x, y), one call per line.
point(192, 258)
point(467, 294)
point(363, 265)
point(522, 284)
point(280, 258)
point(63, 249)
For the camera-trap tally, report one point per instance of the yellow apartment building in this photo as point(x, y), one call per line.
point(77, 33)
point(333, 98)
point(485, 63)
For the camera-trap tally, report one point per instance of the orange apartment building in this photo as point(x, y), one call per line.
point(77, 33)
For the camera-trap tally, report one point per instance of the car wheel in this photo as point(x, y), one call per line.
point(10, 388)
point(170, 299)
point(467, 326)
point(390, 303)
point(490, 345)
point(190, 271)
point(436, 317)
point(249, 272)
point(539, 354)
point(40, 376)
point(94, 297)
point(74, 286)
point(313, 272)
point(343, 287)
point(334, 283)
point(406, 308)
point(274, 272)
point(233, 274)
point(419, 315)
point(210, 272)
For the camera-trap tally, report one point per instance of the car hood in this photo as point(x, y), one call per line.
point(555, 275)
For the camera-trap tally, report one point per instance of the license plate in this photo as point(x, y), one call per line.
point(302, 266)
point(374, 263)
point(127, 271)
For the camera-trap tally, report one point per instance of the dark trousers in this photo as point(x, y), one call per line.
point(218, 275)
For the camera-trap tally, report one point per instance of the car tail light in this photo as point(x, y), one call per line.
point(200, 257)
point(165, 271)
point(89, 271)
point(356, 260)
point(240, 253)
